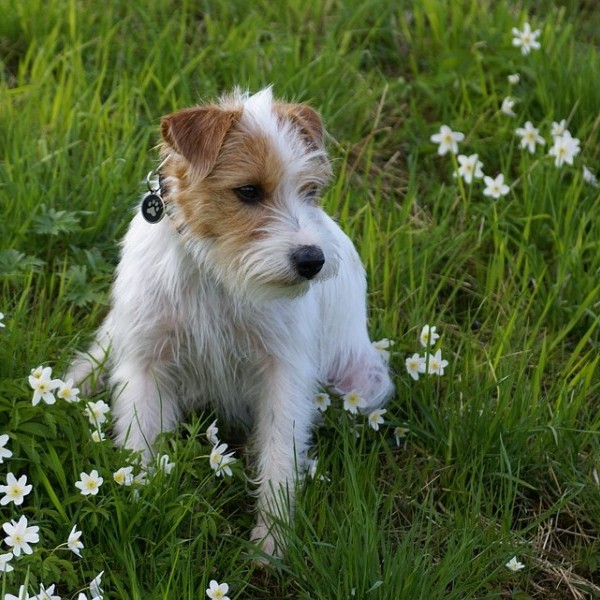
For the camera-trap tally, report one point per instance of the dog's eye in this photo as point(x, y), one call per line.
point(249, 193)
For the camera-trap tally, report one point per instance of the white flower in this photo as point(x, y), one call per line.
point(353, 401)
point(95, 589)
point(322, 401)
point(310, 466)
point(15, 489)
point(495, 187)
point(415, 364)
point(67, 392)
point(526, 39)
point(469, 167)
point(4, 451)
point(96, 412)
point(514, 565)
point(376, 418)
point(46, 594)
point(400, 433)
point(141, 478)
point(383, 346)
point(98, 436)
point(588, 177)
point(38, 371)
point(212, 433)
point(42, 385)
point(5, 559)
point(164, 465)
point(89, 484)
point(507, 106)
point(1, 323)
point(529, 137)
point(514, 78)
point(428, 336)
point(74, 542)
point(219, 461)
point(558, 128)
point(565, 149)
point(21, 595)
point(19, 536)
point(435, 363)
point(217, 591)
point(447, 140)
point(124, 476)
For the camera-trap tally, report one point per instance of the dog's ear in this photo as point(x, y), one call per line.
point(309, 122)
point(198, 134)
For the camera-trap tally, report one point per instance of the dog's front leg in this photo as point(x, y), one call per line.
point(281, 436)
point(143, 407)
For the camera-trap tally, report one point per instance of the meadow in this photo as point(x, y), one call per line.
point(496, 459)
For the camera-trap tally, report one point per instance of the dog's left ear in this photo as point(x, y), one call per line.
point(198, 134)
point(309, 122)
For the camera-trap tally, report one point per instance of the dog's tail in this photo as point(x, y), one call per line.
point(88, 370)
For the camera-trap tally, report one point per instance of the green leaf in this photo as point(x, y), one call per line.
point(55, 222)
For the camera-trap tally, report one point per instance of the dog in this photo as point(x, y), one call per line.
point(246, 298)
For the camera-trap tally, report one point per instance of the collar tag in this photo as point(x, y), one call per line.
point(153, 205)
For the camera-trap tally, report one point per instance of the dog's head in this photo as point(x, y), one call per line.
point(244, 178)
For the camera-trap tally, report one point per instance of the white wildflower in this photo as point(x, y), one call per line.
point(495, 187)
point(447, 140)
point(415, 365)
point(514, 565)
point(89, 484)
point(74, 542)
point(353, 401)
point(212, 433)
point(322, 401)
point(507, 106)
point(530, 137)
point(526, 39)
point(376, 418)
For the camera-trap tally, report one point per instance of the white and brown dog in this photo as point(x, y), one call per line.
point(246, 298)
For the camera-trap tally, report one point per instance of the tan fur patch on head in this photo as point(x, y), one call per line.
point(212, 208)
point(197, 134)
point(229, 155)
point(306, 119)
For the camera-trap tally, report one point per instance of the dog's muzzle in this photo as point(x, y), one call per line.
point(308, 261)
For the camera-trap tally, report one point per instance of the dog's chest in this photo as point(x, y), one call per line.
point(218, 350)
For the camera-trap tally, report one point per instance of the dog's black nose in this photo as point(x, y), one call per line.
point(308, 260)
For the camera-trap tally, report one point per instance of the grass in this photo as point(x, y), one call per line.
point(501, 458)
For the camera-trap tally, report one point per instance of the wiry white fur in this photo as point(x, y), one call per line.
point(193, 325)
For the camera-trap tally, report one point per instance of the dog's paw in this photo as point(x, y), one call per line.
point(263, 537)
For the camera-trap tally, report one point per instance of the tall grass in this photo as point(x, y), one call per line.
point(501, 455)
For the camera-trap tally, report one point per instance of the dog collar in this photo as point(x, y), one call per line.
point(153, 203)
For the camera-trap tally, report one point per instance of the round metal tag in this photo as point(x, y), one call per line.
point(153, 208)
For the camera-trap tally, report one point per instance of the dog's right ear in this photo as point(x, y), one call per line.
point(198, 134)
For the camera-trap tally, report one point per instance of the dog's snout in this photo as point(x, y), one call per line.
point(308, 260)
